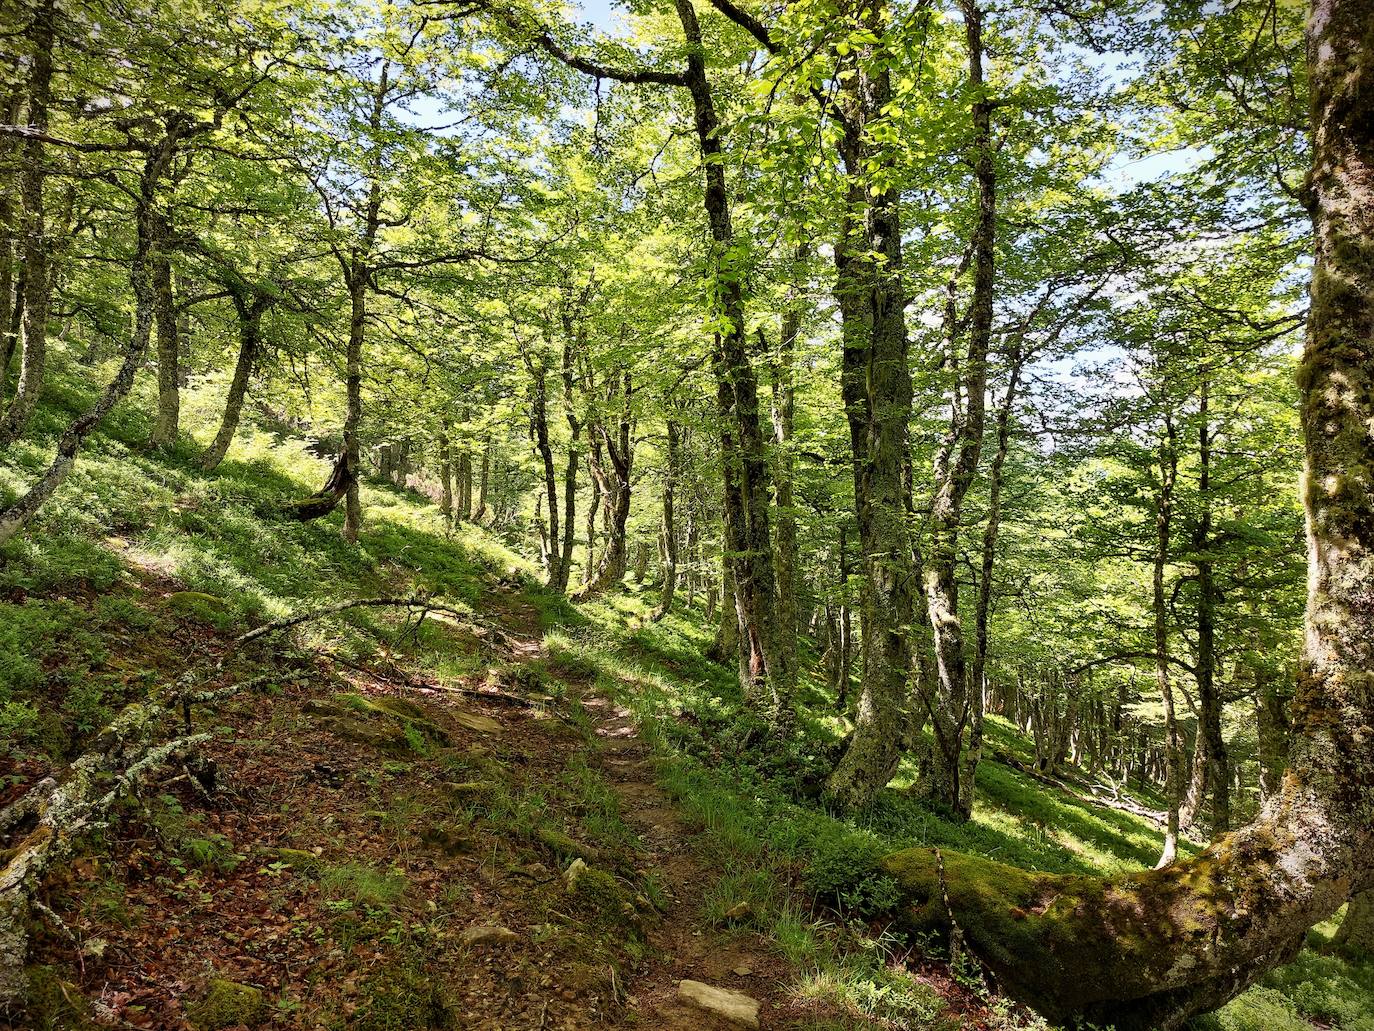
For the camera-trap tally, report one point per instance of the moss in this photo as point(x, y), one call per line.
point(228, 1004)
point(52, 1004)
point(300, 860)
point(563, 846)
point(402, 998)
point(598, 897)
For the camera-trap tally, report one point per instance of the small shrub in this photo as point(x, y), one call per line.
point(843, 872)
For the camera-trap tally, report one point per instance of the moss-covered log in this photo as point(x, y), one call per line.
point(1150, 949)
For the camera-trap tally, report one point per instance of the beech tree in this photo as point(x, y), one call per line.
point(1151, 950)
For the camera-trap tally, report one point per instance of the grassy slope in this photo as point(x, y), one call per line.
point(83, 629)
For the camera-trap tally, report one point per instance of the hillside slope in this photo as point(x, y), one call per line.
point(513, 814)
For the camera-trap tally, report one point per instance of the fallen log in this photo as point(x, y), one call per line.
point(44, 826)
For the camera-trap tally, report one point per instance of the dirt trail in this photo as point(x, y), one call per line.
point(683, 945)
point(343, 866)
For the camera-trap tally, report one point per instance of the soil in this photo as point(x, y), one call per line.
point(394, 847)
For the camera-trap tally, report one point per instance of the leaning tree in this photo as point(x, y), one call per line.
point(1150, 949)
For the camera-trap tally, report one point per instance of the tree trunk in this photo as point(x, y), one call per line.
point(343, 479)
point(876, 387)
point(668, 535)
point(1198, 778)
point(983, 604)
point(35, 246)
point(1213, 749)
point(957, 461)
point(1355, 936)
point(1173, 745)
point(1271, 721)
point(556, 576)
point(464, 485)
point(620, 452)
point(167, 422)
point(744, 458)
point(250, 314)
point(13, 518)
point(483, 480)
point(1151, 949)
point(445, 474)
point(9, 255)
point(784, 418)
point(725, 645)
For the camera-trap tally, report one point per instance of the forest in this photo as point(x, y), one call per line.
point(687, 514)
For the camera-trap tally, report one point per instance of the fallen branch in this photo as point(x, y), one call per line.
point(424, 605)
point(67, 812)
point(46, 824)
point(1098, 792)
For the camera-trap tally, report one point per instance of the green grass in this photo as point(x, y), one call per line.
point(83, 617)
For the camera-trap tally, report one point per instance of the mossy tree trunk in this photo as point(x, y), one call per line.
point(148, 240)
point(876, 389)
point(668, 533)
point(1355, 937)
point(1173, 743)
point(957, 462)
point(1150, 949)
point(37, 283)
point(168, 348)
point(250, 306)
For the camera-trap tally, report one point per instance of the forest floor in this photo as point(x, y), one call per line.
point(387, 842)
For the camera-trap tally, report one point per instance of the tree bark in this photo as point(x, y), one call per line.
point(668, 534)
point(35, 247)
point(1355, 936)
point(876, 388)
point(167, 422)
point(250, 312)
point(13, 518)
point(1213, 750)
point(556, 577)
point(1271, 721)
point(9, 254)
point(574, 458)
point(744, 460)
point(983, 604)
point(445, 474)
point(957, 461)
point(620, 452)
point(1173, 745)
point(784, 418)
point(483, 479)
point(342, 484)
point(1151, 949)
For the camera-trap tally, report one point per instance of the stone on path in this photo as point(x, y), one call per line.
point(489, 934)
point(736, 1007)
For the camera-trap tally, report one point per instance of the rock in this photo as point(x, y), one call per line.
point(576, 869)
point(742, 971)
point(489, 934)
point(736, 1007)
point(228, 1004)
point(474, 721)
point(738, 911)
